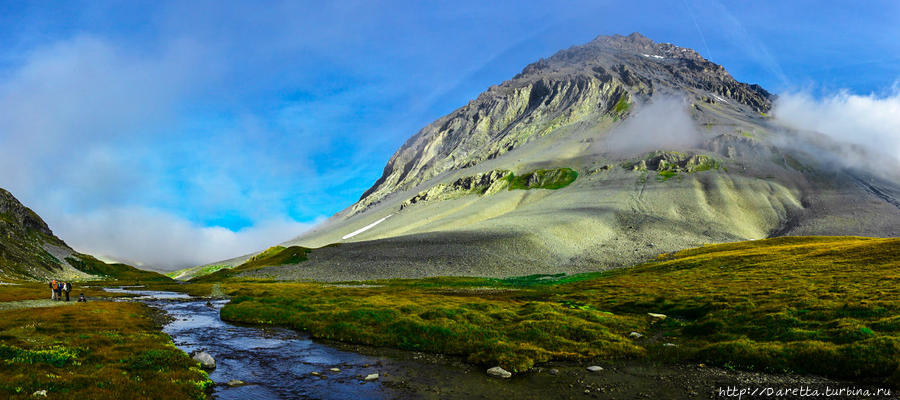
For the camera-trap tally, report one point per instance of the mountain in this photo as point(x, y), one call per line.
point(30, 251)
point(601, 156)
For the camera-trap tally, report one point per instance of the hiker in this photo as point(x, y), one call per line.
point(81, 299)
point(55, 288)
point(59, 287)
point(67, 287)
point(52, 291)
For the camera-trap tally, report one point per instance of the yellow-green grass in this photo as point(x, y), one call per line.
point(273, 256)
point(117, 272)
point(823, 305)
point(486, 327)
point(39, 291)
point(95, 350)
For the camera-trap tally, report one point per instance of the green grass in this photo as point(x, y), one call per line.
point(120, 272)
point(197, 271)
point(543, 179)
point(514, 333)
point(273, 256)
point(41, 291)
point(622, 105)
point(665, 175)
point(95, 350)
point(822, 305)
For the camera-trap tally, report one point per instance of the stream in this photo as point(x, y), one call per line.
point(279, 363)
point(275, 363)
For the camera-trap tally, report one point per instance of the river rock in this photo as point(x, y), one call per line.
point(635, 335)
point(40, 393)
point(669, 345)
point(595, 368)
point(334, 369)
point(205, 359)
point(553, 371)
point(657, 316)
point(371, 377)
point(235, 382)
point(498, 372)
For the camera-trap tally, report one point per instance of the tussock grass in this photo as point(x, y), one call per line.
point(511, 332)
point(95, 350)
point(823, 305)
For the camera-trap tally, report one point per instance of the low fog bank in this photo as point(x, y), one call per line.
point(845, 130)
point(158, 240)
point(661, 124)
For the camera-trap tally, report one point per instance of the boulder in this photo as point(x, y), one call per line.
point(657, 316)
point(595, 368)
point(371, 377)
point(635, 335)
point(553, 371)
point(235, 382)
point(40, 393)
point(334, 369)
point(498, 372)
point(205, 359)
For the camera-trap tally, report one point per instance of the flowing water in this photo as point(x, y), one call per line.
point(274, 363)
point(277, 363)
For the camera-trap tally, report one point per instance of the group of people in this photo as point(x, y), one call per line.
point(58, 288)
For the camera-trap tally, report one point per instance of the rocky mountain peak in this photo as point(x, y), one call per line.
point(593, 84)
point(21, 215)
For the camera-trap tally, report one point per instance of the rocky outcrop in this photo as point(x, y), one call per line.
point(581, 85)
point(491, 182)
point(673, 161)
point(479, 184)
point(14, 212)
point(28, 248)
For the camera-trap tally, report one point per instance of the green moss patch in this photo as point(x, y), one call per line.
point(543, 179)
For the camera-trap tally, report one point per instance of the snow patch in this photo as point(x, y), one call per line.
point(719, 98)
point(365, 228)
point(653, 56)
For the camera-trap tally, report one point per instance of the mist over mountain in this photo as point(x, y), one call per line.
point(30, 251)
point(599, 156)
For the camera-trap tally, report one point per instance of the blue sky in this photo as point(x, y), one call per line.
point(175, 133)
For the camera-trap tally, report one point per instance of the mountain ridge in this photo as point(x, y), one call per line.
point(30, 251)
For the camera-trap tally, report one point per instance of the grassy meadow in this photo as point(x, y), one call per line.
point(94, 350)
point(821, 305)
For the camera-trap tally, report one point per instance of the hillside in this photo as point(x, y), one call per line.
point(30, 251)
point(666, 151)
point(820, 305)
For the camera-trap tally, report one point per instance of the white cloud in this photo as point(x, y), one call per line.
point(162, 240)
point(870, 121)
point(70, 108)
point(90, 139)
point(662, 124)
